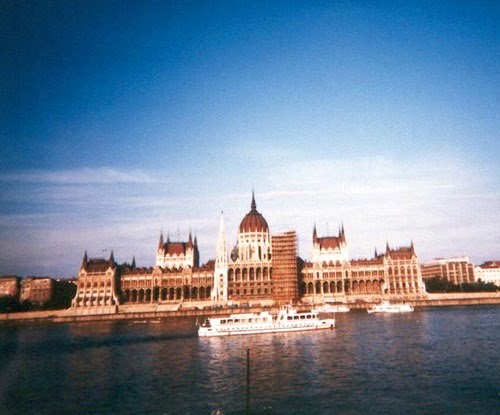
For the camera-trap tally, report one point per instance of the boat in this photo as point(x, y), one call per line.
point(333, 308)
point(287, 319)
point(387, 307)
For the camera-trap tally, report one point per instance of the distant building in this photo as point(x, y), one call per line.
point(249, 268)
point(177, 255)
point(9, 286)
point(97, 284)
point(489, 272)
point(285, 268)
point(37, 290)
point(329, 248)
point(261, 268)
point(331, 275)
point(457, 270)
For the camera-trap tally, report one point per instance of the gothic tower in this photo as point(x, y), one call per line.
point(219, 292)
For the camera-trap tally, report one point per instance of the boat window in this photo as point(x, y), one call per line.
point(290, 318)
point(223, 322)
point(302, 317)
point(295, 317)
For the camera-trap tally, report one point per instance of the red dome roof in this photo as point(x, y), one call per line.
point(253, 221)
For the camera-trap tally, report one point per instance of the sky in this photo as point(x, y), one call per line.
point(120, 119)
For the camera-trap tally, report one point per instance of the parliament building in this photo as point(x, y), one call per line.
point(261, 269)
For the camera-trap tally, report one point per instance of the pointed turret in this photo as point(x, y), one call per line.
point(315, 234)
point(168, 237)
point(190, 240)
point(221, 254)
point(219, 293)
point(342, 233)
point(85, 260)
point(387, 249)
point(253, 205)
point(133, 262)
point(160, 242)
point(412, 248)
point(375, 254)
point(111, 258)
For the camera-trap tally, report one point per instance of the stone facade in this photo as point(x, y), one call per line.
point(250, 265)
point(489, 272)
point(457, 270)
point(177, 255)
point(37, 290)
point(9, 286)
point(396, 272)
point(261, 269)
point(97, 284)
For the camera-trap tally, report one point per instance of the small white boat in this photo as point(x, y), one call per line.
point(387, 307)
point(287, 319)
point(333, 308)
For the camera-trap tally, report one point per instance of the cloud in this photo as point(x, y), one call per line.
point(103, 175)
point(447, 206)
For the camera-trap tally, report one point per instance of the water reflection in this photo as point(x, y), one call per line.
point(436, 360)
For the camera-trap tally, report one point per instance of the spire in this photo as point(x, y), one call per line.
point(195, 240)
point(412, 248)
point(387, 249)
point(190, 239)
point(315, 234)
point(133, 262)
point(85, 259)
point(221, 254)
point(168, 237)
point(253, 205)
point(375, 255)
point(342, 233)
point(111, 258)
point(160, 242)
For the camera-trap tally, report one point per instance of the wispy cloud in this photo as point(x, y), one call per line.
point(102, 175)
point(447, 206)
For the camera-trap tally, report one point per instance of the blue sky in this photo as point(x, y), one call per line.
point(119, 119)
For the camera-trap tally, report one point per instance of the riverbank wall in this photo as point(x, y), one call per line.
point(145, 312)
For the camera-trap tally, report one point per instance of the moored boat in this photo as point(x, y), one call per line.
point(387, 307)
point(333, 308)
point(287, 319)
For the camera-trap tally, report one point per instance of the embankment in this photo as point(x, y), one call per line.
point(144, 312)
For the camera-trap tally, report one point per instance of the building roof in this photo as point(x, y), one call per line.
point(175, 248)
point(400, 253)
point(253, 220)
point(329, 242)
point(372, 261)
point(490, 265)
point(98, 264)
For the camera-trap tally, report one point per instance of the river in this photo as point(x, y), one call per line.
point(433, 361)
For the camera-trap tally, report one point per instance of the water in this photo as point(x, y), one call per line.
point(432, 361)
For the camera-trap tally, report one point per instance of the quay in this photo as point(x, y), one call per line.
point(144, 312)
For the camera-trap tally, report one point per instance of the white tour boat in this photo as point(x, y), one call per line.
point(333, 308)
point(387, 307)
point(287, 319)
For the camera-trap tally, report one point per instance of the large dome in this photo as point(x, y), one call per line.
point(253, 221)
